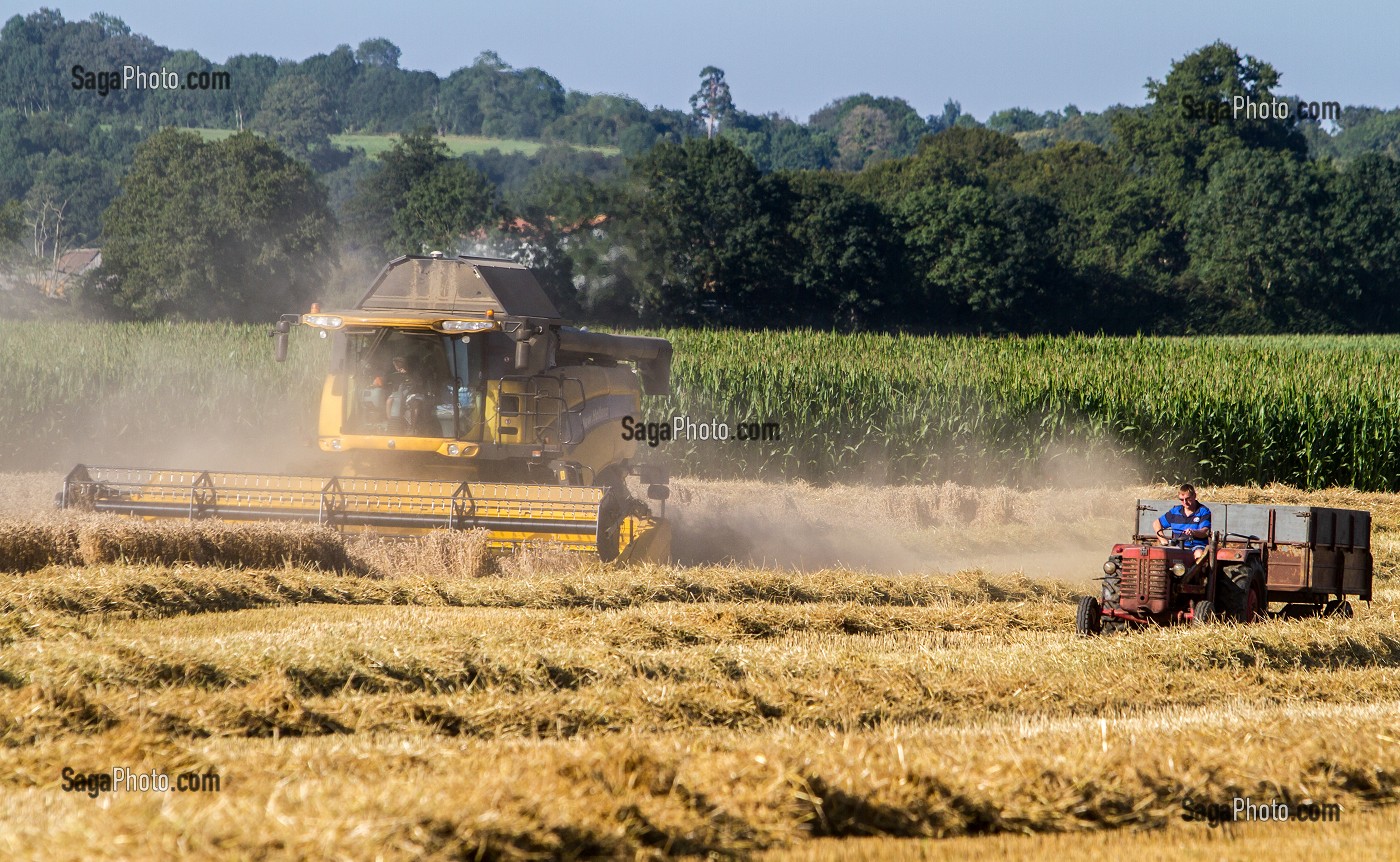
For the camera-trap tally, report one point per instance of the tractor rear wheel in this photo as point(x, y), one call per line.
point(1242, 594)
point(1088, 621)
point(1256, 606)
point(1202, 613)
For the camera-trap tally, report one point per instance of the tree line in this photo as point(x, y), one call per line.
point(1153, 218)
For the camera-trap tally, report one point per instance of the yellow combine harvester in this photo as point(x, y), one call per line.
point(458, 377)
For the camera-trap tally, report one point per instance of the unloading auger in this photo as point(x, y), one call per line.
point(457, 398)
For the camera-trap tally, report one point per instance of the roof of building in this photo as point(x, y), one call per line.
point(77, 261)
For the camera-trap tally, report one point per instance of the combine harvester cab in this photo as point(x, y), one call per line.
point(1308, 558)
point(457, 398)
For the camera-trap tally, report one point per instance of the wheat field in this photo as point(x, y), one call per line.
point(839, 672)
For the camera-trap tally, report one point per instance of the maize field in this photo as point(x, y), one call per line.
point(1310, 412)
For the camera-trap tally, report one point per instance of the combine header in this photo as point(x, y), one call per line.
point(458, 377)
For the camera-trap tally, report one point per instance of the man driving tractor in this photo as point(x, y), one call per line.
point(1187, 523)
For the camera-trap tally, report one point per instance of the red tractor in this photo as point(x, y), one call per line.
point(1306, 557)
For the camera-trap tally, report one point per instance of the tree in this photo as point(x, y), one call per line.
point(661, 125)
point(73, 190)
point(1256, 236)
point(11, 222)
point(794, 147)
point(906, 127)
point(38, 50)
point(179, 106)
point(459, 100)
point(254, 74)
point(847, 254)
point(335, 73)
point(960, 156)
point(952, 110)
point(230, 230)
point(443, 208)
point(409, 160)
point(777, 143)
point(378, 52)
point(385, 99)
point(1364, 228)
point(521, 104)
point(595, 120)
point(1013, 120)
point(295, 112)
point(1109, 230)
point(1189, 125)
point(711, 104)
point(707, 229)
point(984, 256)
point(1375, 132)
point(865, 133)
point(46, 226)
point(491, 98)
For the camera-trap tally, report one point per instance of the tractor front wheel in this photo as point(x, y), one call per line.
point(1089, 619)
point(1111, 601)
point(1202, 613)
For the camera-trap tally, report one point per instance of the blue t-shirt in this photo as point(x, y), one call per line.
point(1177, 520)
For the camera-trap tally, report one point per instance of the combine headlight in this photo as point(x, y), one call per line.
point(1178, 569)
point(1110, 567)
point(453, 449)
point(465, 325)
point(335, 444)
point(325, 321)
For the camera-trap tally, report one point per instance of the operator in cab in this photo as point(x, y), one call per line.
point(1188, 522)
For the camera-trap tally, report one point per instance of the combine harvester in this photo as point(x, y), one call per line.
point(457, 377)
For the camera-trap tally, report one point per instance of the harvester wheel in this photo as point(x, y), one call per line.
point(610, 515)
point(1089, 619)
point(1202, 613)
point(1111, 592)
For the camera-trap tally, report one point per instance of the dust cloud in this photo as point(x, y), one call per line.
point(1053, 533)
point(1060, 534)
point(1071, 507)
point(246, 431)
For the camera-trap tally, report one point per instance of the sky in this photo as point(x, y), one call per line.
point(792, 58)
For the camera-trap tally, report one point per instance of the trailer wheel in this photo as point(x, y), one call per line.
point(1088, 621)
point(1202, 613)
point(1338, 608)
